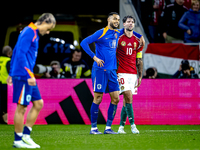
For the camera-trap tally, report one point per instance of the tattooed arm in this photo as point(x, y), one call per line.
point(139, 64)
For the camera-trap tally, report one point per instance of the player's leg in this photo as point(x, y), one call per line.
point(112, 111)
point(19, 121)
point(32, 115)
point(94, 112)
point(19, 97)
point(128, 96)
point(128, 104)
point(18, 124)
point(113, 89)
point(129, 109)
point(123, 118)
point(122, 86)
point(99, 82)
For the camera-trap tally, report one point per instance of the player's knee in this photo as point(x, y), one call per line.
point(116, 100)
point(128, 96)
point(98, 99)
point(38, 104)
point(21, 109)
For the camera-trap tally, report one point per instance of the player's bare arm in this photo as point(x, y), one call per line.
point(139, 64)
point(99, 61)
point(142, 41)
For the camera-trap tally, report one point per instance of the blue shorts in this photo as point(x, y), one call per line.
point(104, 81)
point(24, 93)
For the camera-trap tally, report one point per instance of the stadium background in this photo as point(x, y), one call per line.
point(172, 103)
point(88, 17)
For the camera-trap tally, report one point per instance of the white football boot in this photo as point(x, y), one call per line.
point(28, 140)
point(134, 130)
point(21, 144)
point(121, 130)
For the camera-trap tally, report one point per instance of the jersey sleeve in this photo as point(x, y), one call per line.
point(24, 47)
point(121, 31)
point(88, 40)
point(137, 34)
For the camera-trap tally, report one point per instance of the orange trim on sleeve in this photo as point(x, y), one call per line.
point(34, 27)
point(34, 36)
point(104, 32)
point(30, 73)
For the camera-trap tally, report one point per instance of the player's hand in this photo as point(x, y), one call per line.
point(31, 81)
point(9, 80)
point(99, 61)
point(139, 82)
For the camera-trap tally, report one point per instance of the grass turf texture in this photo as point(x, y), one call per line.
point(62, 137)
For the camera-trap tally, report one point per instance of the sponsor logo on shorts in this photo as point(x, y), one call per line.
point(99, 86)
point(122, 87)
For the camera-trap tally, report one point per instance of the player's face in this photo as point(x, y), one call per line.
point(114, 21)
point(196, 6)
point(45, 28)
point(129, 24)
point(180, 2)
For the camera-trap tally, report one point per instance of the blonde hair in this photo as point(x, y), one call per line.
point(194, 2)
point(46, 17)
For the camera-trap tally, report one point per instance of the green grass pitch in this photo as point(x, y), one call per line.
point(64, 137)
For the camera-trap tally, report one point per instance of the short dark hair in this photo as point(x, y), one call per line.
point(75, 50)
point(47, 17)
point(112, 13)
point(128, 16)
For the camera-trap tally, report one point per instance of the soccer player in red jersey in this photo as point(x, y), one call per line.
point(129, 56)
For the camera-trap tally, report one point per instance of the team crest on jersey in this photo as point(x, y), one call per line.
point(123, 43)
point(122, 88)
point(135, 45)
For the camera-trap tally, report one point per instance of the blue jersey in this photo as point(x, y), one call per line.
point(106, 44)
point(25, 53)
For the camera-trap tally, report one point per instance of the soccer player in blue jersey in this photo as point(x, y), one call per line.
point(104, 77)
point(21, 76)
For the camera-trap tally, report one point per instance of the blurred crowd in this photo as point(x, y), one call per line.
point(171, 21)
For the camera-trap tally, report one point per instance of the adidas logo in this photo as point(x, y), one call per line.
point(129, 44)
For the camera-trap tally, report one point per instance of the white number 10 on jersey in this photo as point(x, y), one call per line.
point(129, 51)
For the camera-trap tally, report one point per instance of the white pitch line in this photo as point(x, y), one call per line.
point(171, 130)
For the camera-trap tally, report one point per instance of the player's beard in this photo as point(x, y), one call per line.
point(128, 29)
point(112, 25)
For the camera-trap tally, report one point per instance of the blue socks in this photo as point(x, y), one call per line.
point(27, 131)
point(18, 136)
point(111, 114)
point(94, 115)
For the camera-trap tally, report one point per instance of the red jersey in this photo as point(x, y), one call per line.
point(127, 51)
